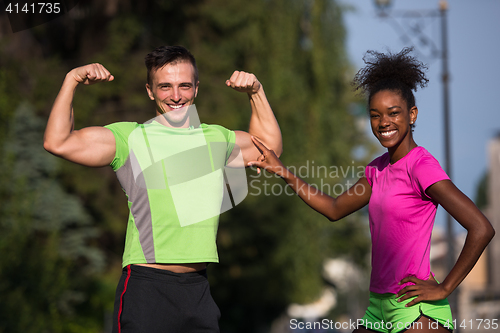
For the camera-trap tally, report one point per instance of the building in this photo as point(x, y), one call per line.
point(479, 297)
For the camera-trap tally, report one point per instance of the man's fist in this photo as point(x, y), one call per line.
point(90, 74)
point(244, 82)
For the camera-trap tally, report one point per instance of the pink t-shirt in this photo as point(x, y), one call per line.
point(401, 217)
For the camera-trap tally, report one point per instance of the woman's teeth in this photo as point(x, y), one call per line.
point(387, 134)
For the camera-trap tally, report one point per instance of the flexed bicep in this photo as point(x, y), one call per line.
point(90, 146)
point(246, 148)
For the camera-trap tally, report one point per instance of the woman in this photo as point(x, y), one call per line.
point(403, 188)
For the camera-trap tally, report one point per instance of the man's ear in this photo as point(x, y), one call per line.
point(196, 89)
point(150, 93)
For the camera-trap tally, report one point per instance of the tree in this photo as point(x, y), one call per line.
point(49, 267)
point(271, 246)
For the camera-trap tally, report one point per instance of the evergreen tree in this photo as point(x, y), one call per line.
point(49, 267)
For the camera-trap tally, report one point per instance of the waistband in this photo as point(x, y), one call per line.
point(382, 296)
point(166, 276)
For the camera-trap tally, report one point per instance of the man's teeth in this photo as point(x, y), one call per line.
point(387, 134)
point(176, 106)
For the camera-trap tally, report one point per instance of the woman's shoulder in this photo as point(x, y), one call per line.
point(380, 161)
point(376, 166)
point(420, 155)
point(424, 165)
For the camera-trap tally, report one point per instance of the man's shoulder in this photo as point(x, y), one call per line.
point(123, 128)
point(123, 125)
point(214, 126)
point(217, 132)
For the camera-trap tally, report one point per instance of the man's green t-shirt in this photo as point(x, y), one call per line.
point(174, 182)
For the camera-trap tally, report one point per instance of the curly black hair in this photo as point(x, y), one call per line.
point(399, 72)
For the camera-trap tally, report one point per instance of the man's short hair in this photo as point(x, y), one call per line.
point(164, 55)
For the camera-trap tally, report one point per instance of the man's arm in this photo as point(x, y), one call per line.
point(91, 146)
point(263, 123)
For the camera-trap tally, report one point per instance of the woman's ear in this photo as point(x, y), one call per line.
point(413, 115)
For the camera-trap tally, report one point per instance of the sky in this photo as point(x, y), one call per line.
point(473, 50)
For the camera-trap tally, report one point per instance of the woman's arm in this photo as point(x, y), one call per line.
point(479, 234)
point(334, 209)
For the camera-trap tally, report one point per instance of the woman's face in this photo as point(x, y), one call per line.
point(390, 118)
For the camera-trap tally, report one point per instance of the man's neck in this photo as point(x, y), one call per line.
point(162, 119)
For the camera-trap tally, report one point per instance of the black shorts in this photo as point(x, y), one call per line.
point(152, 300)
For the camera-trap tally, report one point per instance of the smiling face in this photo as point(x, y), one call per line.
point(391, 122)
point(173, 88)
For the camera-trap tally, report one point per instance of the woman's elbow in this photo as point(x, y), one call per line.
point(491, 232)
point(486, 232)
point(333, 217)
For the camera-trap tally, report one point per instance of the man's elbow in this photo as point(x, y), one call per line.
point(52, 148)
point(47, 145)
point(278, 148)
point(279, 151)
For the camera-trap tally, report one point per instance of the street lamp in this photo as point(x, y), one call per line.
point(383, 6)
point(426, 42)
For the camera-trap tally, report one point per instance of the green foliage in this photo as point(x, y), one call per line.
point(481, 199)
point(63, 225)
point(9, 93)
point(47, 266)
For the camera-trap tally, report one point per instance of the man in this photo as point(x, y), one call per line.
point(171, 169)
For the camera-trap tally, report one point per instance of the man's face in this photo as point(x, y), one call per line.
point(173, 88)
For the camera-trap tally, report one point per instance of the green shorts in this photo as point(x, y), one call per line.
point(386, 314)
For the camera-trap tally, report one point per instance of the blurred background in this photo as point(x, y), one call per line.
point(62, 226)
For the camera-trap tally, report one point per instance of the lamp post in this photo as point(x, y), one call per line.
point(383, 11)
